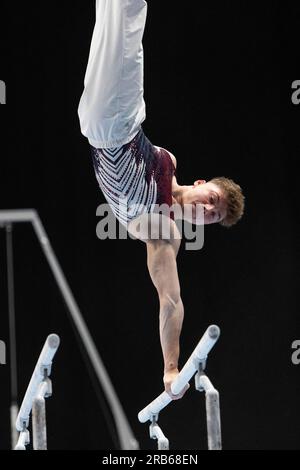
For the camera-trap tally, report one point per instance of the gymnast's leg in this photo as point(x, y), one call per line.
point(112, 105)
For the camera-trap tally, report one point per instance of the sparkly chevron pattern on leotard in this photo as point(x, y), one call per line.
point(134, 177)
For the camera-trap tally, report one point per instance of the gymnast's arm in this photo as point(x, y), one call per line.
point(161, 261)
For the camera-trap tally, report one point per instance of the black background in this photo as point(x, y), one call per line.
point(218, 92)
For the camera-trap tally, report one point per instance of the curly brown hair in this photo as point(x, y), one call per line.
point(234, 198)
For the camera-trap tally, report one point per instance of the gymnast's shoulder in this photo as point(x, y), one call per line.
point(173, 158)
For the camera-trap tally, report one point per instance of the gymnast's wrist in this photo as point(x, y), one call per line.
point(170, 368)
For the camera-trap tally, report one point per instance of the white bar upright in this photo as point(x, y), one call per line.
point(213, 417)
point(156, 433)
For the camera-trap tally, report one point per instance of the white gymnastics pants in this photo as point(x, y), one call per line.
point(112, 107)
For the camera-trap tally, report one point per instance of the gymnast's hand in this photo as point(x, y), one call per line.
point(169, 377)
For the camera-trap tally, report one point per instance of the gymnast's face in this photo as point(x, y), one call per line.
point(209, 197)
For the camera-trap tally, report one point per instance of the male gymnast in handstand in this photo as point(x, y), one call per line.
point(133, 174)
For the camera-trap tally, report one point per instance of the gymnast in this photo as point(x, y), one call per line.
point(136, 176)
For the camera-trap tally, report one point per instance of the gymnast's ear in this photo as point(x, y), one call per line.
point(198, 182)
